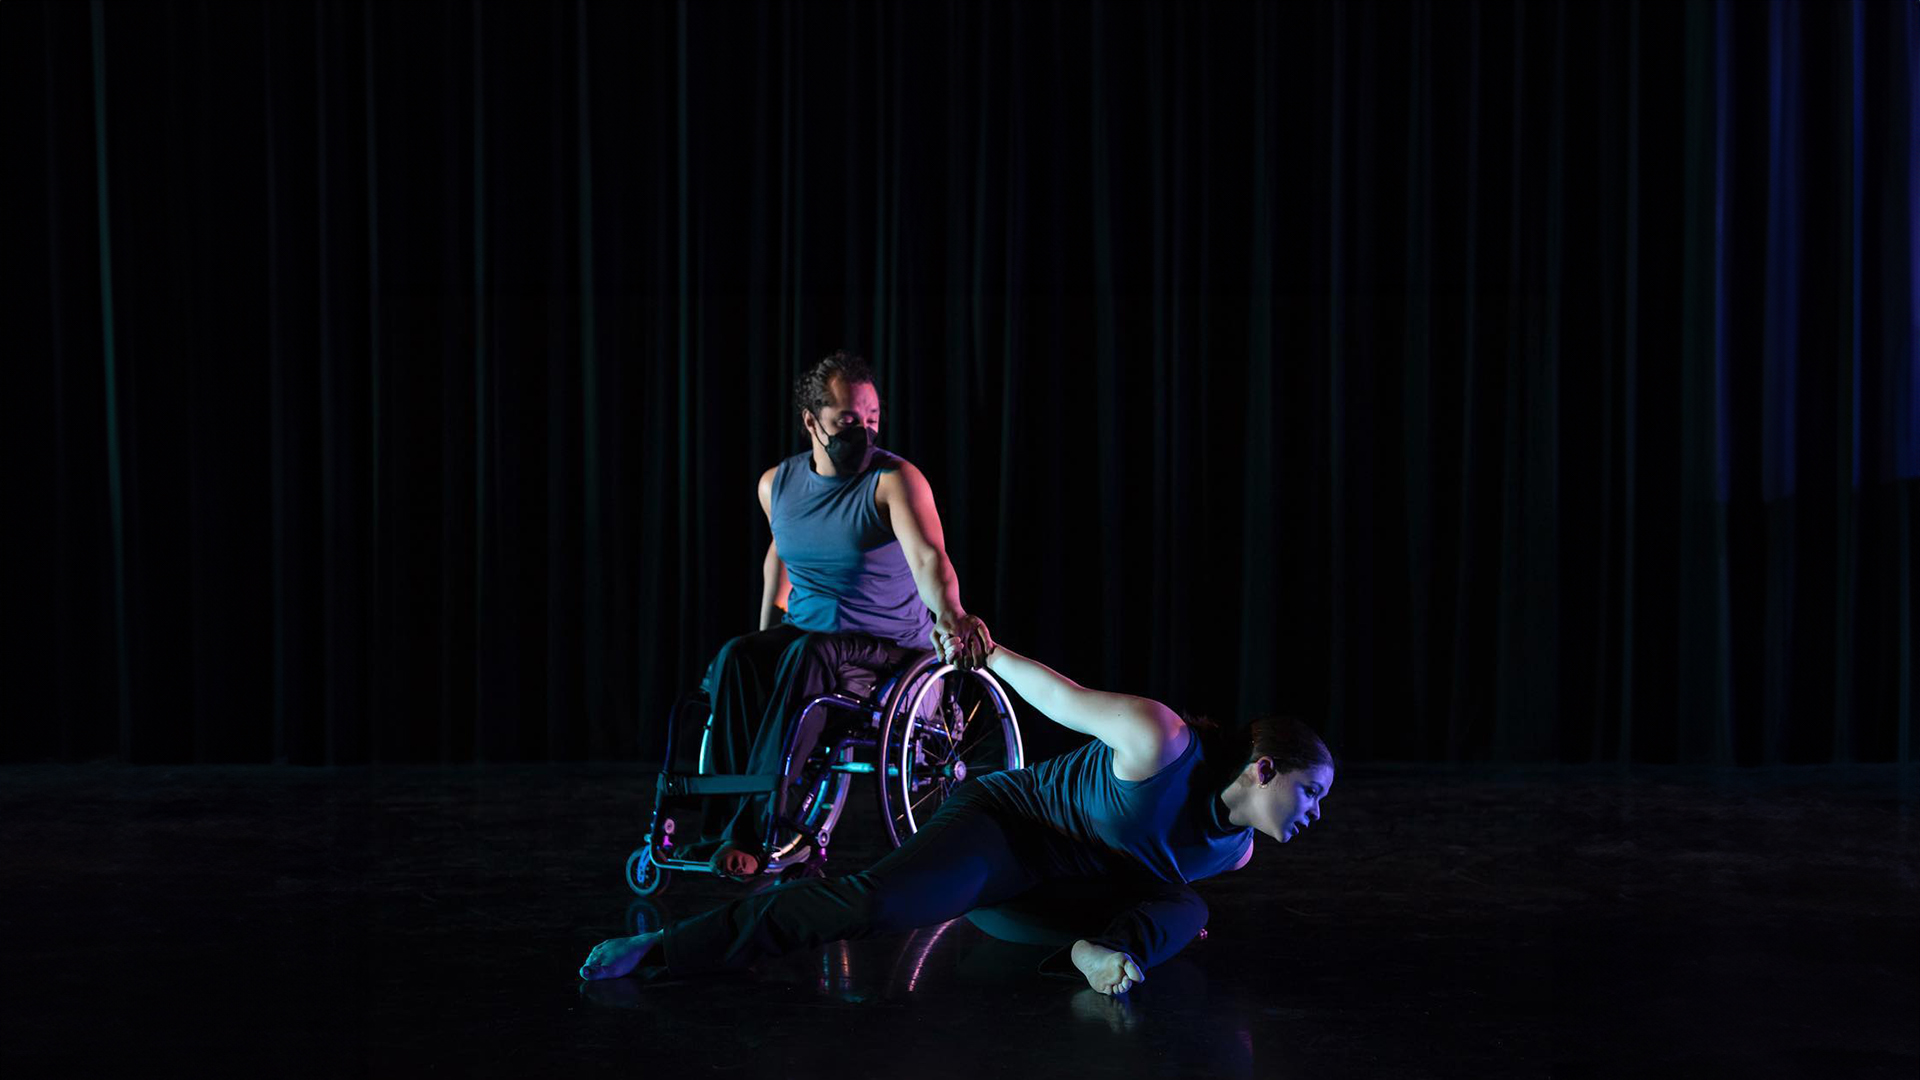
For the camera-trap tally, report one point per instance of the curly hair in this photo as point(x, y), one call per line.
point(810, 389)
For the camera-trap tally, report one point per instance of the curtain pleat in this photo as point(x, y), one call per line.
point(1510, 381)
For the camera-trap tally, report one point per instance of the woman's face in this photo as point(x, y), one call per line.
point(1280, 804)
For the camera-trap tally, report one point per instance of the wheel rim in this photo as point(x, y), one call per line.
point(957, 724)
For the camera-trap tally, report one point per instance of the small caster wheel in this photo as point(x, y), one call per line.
point(643, 877)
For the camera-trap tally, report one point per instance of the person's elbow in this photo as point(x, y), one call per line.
point(927, 562)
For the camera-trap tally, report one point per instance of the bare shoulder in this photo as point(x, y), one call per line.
point(900, 469)
point(1175, 735)
point(1154, 737)
point(899, 478)
point(765, 490)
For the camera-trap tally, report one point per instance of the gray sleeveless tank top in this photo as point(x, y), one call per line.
point(847, 570)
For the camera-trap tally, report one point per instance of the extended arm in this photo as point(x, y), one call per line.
point(1144, 734)
point(906, 499)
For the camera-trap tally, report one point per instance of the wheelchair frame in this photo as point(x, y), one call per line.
point(885, 710)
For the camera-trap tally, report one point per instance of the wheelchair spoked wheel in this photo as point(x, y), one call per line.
point(944, 725)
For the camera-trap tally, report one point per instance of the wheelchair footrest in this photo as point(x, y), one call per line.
point(671, 785)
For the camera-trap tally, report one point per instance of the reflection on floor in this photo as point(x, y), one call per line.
point(381, 921)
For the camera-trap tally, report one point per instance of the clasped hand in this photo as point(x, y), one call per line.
point(962, 640)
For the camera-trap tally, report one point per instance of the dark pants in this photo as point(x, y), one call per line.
point(971, 854)
point(757, 683)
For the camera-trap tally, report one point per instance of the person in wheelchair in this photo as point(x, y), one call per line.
point(1092, 851)
point(856, 582)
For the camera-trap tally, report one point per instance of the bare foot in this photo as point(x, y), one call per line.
point(615, 957)
point(732, 862)
point(1107, 970)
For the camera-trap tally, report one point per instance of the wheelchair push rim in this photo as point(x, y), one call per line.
point(947, 724)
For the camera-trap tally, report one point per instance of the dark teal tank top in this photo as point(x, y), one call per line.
point(1172, 823)
point(847, 570)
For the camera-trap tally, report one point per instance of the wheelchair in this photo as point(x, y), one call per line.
point(919, 732)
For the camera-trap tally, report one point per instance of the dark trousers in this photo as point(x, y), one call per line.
point(757, 682)
point(971, 854)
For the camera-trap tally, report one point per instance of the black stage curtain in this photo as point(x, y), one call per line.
point(1478, 380)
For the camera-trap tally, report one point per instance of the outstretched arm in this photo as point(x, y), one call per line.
point(906, 499)
point(1145, 735)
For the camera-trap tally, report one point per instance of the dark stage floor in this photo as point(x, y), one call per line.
point(385, 921)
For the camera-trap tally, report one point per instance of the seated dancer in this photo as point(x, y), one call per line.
point(857, 561)
point(1154, 802)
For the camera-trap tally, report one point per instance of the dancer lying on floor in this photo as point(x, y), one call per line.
point(1154, 802)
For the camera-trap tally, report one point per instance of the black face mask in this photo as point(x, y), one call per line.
point(851, 450)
